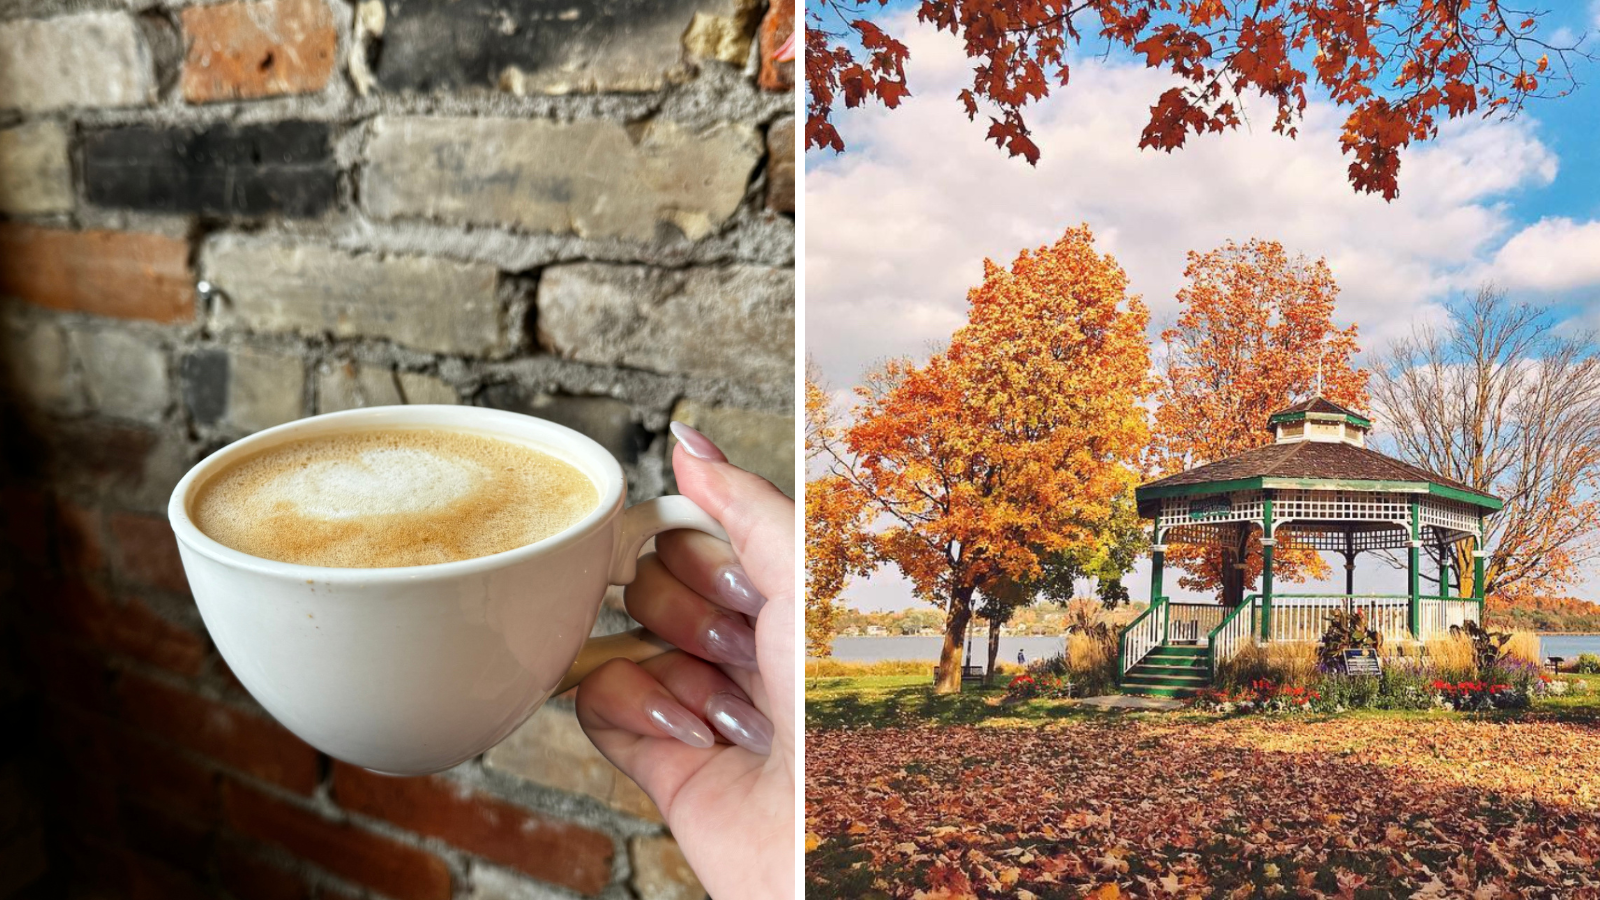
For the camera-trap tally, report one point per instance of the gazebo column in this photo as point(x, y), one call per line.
point(1444, 569)
point(1267, 543)
point(1158, 565)
point(1414, 570)
point(1349, 561)
point(1478, 563)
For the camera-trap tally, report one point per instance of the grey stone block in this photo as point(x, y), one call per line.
point(86, 60)
point(758, 442)
point(422, 302)
point(39, 366)
point(264, 388)
point(126, 374)
point(734, 322)
point(204, 375)
point(532, 47)
point(349, 386)
point(609, 422)
point(592, 178)
point(35, 175)
point(419, 388)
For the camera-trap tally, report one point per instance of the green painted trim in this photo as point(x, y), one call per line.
point(1494, 504)
point(1414, 570)
point(1352, 418)
point(1147, 493)
point(1266, 567)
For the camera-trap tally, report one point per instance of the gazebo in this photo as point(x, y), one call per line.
point(1317, 486)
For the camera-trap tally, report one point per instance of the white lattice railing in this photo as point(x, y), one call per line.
point(1236, 630)
point(1143, 635)
point(1189, 623)
point(1304, 617)
point(1440, 614)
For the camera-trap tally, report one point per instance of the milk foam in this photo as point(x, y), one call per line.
point(400, 497)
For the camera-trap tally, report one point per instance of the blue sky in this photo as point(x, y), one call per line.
point(898, 226)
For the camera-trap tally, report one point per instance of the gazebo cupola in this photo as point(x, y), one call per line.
point(1319, 419)
point(1317, 486)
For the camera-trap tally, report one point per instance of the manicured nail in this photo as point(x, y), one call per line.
point(740, 722)
point(698, 445)
point(728, 639)
point(674, 720)
point(735, 591)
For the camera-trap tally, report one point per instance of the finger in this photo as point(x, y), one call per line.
point(660, 602)
point(710, 568)
point(647, 730)
point(759, 519)
point(717, 696)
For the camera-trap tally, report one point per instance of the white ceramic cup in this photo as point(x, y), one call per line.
point(413, 670)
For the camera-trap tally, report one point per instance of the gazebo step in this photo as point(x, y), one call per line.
point(1176, 693)
point(1172, 668)
point(1177, 659)
point(1181, 649)
point(1146, 679)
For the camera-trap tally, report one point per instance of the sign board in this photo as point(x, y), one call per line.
point(1362, 662)
point(1210, 507)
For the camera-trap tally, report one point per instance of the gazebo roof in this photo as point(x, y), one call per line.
point(1296, 462)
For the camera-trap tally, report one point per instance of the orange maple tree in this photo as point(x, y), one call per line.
point(1011, 444)
point(1255, 334)
point(1396, 68)
point(837, 544)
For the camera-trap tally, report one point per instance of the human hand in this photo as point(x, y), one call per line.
point(730, 805)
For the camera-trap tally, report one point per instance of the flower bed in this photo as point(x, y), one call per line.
point(1028, 687)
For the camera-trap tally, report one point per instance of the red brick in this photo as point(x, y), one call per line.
point(27, 523)
point(261, 49)
point(136, 629)
point(79, 538)
point(176, 841)
point(147, 551)
point(109, 273)
point(87, 803)
point(387, 866)
point(244, 741)
point(68, 674)
point(158, 775)
point(130, 627)
point(248, 877)
point(550, 849)
point(775, 29)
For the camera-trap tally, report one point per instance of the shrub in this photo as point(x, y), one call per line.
point(1346, 631)
point(1259, 696)
point(1587, 664)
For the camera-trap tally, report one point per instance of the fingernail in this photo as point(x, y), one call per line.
point(736, 592)
point(672, 718)
point(698, 445)
point(740, 722)
point(728, 639)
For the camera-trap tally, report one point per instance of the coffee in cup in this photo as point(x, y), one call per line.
point(392, 497)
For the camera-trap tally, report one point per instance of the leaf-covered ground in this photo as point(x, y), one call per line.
point(1425, 806)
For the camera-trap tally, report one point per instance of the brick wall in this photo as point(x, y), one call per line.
point(217, 217)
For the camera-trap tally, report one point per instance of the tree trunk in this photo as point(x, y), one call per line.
point(994, 651)
point(955, 633)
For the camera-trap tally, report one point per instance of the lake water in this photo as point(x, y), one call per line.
point(872, 649)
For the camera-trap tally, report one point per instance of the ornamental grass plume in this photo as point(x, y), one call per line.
point(1452, 656)
point(1524, 645)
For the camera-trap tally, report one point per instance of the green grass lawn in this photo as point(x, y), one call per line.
point(884, 701)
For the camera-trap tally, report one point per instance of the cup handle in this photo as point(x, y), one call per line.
point(639, 523)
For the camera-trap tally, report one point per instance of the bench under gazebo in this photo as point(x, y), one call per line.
point(1317, 486)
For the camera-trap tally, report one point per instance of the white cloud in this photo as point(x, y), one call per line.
point(1552, 254)
point(898, 226)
